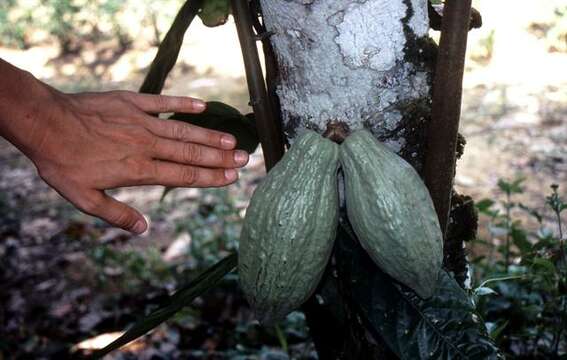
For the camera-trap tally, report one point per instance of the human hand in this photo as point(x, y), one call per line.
point(84, 144)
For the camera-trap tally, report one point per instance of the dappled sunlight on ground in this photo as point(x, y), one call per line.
point(514, 113)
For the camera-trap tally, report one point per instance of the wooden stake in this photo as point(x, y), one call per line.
point(439, 166)
point(268, 128)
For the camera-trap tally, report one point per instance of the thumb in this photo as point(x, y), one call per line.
point(118, 214)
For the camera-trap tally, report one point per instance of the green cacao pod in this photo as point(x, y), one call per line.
point(290, 228)
point(391, 212)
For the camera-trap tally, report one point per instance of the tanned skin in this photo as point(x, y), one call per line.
point(84, 144)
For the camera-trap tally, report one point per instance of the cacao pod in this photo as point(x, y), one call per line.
point(289, 229)
point(391, 212)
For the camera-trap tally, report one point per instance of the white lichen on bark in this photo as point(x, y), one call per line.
point(344, 60)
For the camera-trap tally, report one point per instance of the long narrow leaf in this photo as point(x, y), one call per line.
point(169, 48)
point(183, 297)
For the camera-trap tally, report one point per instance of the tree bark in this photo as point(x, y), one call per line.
point(365, 64)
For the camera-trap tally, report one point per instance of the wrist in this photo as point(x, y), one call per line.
point(23, 103)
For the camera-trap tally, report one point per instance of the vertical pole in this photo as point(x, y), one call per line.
point(439, 166)
point(268, 128)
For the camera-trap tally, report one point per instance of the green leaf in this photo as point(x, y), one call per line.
point(532, 212)
point(225, 118)
point(520, 239)
point(484, 205)
point(543, 266)
point(215, 12)
point(169, 48)
point(497, 330)
point(444, 326)
point(183, 297)
point(281, 338)
point(514, 187)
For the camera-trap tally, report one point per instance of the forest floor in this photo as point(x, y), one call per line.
point(66, 277)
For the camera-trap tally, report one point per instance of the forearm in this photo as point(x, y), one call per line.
point(21, 96)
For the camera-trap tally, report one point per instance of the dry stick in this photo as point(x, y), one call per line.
point(168, 50)
point(439, 167)
point(268, 129)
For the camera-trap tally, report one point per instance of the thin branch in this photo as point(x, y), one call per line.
point(268, 129)
point(169, 48)
point(271, 66)
point(439, 167)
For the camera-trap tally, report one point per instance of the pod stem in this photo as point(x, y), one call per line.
point(337, 131)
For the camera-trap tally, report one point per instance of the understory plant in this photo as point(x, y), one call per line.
point(522, 271)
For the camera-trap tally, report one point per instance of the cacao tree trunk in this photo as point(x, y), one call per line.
point(363, 64)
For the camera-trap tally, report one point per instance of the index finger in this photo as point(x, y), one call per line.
point(150, 103)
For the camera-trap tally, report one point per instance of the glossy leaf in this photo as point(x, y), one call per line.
point(225, 118)
point(180, 299)
point(444, 326)
point(215, 12)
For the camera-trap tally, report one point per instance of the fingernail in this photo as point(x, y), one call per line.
point(228, 141)
point(241, 157)
point(230, 174)
point(199, 105)
point(140, 227)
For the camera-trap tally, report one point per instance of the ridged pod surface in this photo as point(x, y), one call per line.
point(391, 212)
point(290, 228)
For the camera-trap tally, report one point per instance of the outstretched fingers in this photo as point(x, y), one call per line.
point(180, 131)
point(156, 104)
point(177, 175)
point(200, 155)
point(113, 211)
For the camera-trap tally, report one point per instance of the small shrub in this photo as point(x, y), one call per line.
point(523, 297)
